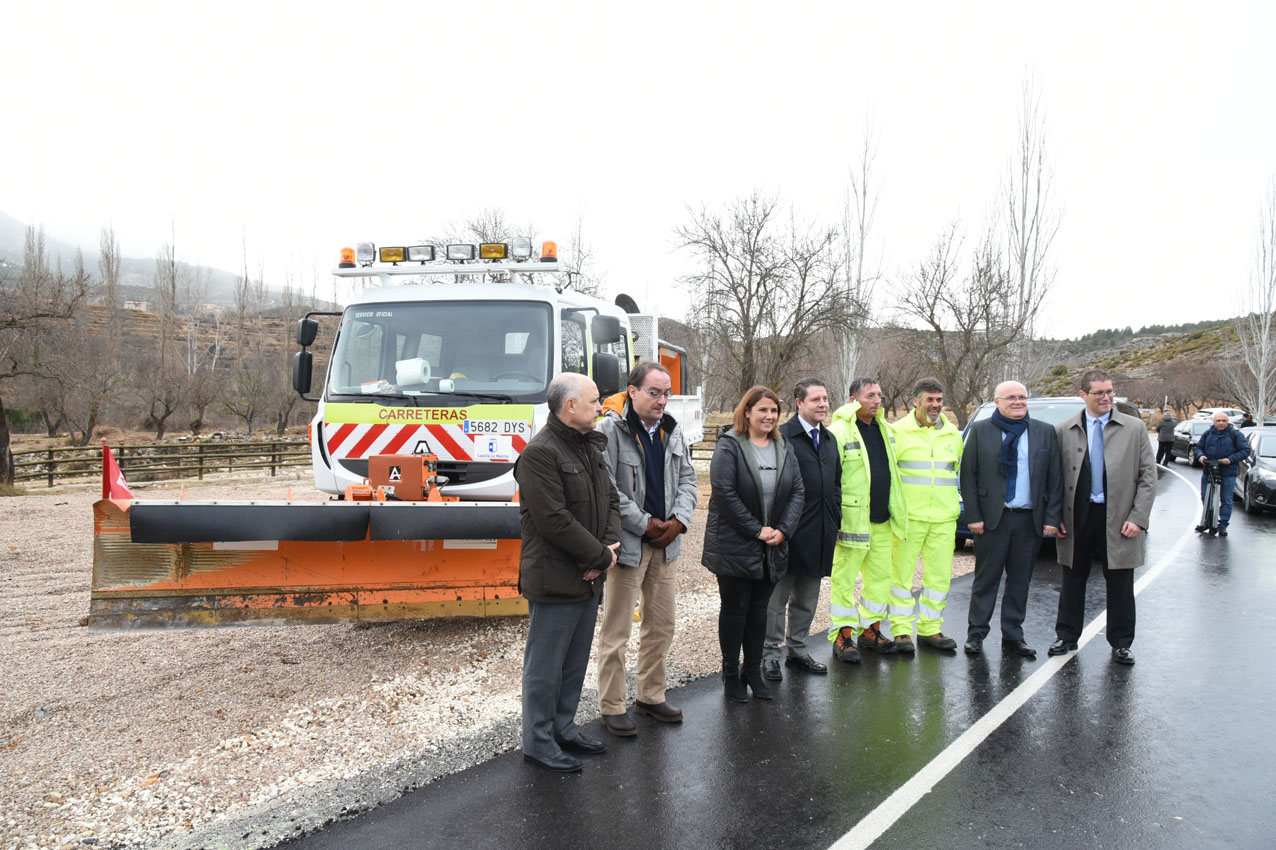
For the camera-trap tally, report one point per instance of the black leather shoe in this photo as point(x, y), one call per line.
point(662, 711)
point(583, 745)
point(1122, 655)
point(1222, 532)
point(1061, 647)
point(1020, 648)
point(558, 763)
point(974, 646)
point(805, 662)
point(1200, 528)
point(771, 670)
point(620, 724)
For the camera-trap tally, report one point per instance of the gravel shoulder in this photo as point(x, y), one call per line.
point(241, 737)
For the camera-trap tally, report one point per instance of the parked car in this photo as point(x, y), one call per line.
point(1233, 414)
point(1186, 435)
point(1256, 475)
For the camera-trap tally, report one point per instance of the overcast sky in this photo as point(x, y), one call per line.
point(300, 129)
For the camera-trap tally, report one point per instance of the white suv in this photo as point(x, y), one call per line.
point(1233, 415)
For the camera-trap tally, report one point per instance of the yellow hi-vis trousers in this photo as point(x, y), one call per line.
point(934, 542)
point(875, 563)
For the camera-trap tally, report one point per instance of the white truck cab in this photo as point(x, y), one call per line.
point(457, 365)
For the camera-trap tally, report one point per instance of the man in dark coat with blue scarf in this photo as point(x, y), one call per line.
point(1012, 492)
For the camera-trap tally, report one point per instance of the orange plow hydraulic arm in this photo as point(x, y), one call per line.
point(161, 564)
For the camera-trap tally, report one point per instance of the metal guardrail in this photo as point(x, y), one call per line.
point(161, 461)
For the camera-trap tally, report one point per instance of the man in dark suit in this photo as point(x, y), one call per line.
point(1012, 491)
point(811, 548)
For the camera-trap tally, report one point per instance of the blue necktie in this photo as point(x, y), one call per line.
point(815, 438)
point(1096, 461)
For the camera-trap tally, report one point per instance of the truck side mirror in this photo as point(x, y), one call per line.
point(303, 364)
point(607, 373)
point(605, 330)
point(307, 330)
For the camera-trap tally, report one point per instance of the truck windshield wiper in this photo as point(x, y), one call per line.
point(469, 394)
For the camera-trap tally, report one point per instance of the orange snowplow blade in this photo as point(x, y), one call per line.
point(200, 564)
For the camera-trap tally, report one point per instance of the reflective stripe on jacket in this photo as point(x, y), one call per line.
point(857, 478)
point(928, 460)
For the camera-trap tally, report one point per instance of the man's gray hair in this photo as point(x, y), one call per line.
point(928, 385)
point(564, 386)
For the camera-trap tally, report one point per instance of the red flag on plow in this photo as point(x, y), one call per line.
point(113, 483)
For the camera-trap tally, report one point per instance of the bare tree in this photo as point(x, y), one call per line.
point(1031, 219)
point(41, 300)
point(1253, 381)
point(857, 223)
point(893, 361)
point(969, 319)
point(766, 289)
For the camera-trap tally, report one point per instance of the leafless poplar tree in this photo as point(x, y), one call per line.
point(861, 279)
point(1253, 380)
point(1030, 216)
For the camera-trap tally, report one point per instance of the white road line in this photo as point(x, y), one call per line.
point(906, 796)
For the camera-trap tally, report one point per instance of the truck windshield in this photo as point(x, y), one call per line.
point(443, 350)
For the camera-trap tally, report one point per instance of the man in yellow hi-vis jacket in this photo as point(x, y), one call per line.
point(928, 454)
point(873, 514)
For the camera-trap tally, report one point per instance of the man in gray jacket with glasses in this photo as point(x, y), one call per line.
point(650, 463)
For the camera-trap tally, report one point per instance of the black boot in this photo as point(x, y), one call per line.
point(732, 686)
point(752, 676)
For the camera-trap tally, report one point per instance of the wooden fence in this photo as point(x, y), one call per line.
point(161, 461)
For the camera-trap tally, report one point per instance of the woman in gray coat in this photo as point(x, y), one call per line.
point(754, 508)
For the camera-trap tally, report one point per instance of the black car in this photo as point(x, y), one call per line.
point(1186, 435)
point(1256, 475)
point(1051, 410)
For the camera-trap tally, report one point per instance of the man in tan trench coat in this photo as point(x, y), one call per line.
point(1109, 482)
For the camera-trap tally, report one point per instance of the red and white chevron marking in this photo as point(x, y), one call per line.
point(449, 442)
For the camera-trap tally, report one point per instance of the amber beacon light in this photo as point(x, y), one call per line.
point(549, 252)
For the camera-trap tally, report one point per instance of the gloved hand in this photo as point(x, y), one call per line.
point(655, 528)
point(673, 527)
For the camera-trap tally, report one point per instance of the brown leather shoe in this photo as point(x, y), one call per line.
point(620, 724)
point(662, 711)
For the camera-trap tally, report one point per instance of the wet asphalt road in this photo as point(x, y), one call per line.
point(1177, 751)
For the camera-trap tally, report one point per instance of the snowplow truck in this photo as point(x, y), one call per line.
point(433, 388)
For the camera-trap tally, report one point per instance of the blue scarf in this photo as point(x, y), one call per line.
point(1008, 462)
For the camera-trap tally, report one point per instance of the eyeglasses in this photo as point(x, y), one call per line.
point(1012, 398)
point(654, 393)
point(1101, 393)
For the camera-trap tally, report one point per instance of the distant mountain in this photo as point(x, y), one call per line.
point(137, 275)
